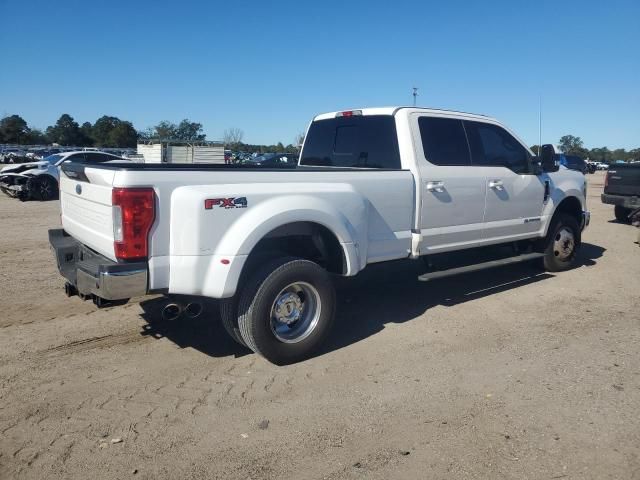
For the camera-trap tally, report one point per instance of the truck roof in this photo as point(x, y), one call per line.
point(393, 110)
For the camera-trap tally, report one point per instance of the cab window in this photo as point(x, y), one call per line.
point(493, 146)
point(368, 141)
point(444, 141)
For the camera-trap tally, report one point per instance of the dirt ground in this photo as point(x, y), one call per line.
point(507, 373)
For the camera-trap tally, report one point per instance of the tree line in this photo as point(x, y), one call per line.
point(107, 131)
point(112, 132)
point(572, 145)
point(232, 139)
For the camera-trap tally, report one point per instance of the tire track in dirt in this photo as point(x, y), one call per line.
point(102, 341)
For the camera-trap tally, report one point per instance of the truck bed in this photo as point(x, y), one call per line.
point(371, 211)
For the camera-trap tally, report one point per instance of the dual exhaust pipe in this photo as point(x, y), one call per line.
point(173, 311)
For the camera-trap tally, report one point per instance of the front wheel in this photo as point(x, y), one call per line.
point(43, 188)
point(563, 241)
point(286, 310)
point(622, 213)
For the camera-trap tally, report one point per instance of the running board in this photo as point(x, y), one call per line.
point(479, 266)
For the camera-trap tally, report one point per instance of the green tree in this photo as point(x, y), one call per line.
point(37, 137)
point(602, 154)
point(620, 154)
point(112, 132)
point(66, 131)
point(189, 131)
point(571, 145)
point(123, 135)
point(87, 132)
point(14, 129)
point(165, 130)
point(101, 131)
point(147, 134)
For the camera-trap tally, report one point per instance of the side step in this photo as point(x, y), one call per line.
point(479, 266)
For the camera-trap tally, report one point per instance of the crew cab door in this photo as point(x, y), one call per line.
point(452, 192)
point(515, 196)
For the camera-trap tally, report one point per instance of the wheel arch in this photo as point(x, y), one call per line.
point(310, 240)
point(569, 204)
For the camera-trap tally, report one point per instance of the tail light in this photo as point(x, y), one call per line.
point(133, 216)
point(606, 180)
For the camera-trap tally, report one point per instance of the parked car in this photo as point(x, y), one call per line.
point(592, 167)
point(572, 162)
point(372, 185)
point(622, 189)
point(274, 160)
point(13, 155)
point(39, 180)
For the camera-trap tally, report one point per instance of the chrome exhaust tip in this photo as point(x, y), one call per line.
point(171, 312)
point(194, 309)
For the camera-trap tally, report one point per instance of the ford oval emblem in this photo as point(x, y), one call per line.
point(79, 189)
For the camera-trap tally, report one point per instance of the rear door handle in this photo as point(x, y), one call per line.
point(436, 186)
point(496, 184)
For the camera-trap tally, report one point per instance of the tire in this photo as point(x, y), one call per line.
point(43, 188)
point(286, 310)
point(622, 213)
point(562, 243)
point(229, 317)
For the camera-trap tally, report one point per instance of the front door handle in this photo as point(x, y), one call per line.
point(496, 184)
point(436, 186)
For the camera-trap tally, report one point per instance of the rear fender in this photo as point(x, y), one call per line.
point(210, 236)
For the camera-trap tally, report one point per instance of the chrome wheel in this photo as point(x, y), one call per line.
point(295, 312)
point(564, 244)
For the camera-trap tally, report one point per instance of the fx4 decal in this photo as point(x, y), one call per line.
point(237, 202)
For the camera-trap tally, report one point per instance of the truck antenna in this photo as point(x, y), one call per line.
point(415, 95)
point(539, 123)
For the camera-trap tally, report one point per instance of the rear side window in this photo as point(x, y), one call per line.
point(77, 157)
point(99, 157)
point(368, 141)
point(444, 141)
point(492, 145)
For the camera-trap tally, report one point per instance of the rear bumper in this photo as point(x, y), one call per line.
point(93, 274)
point(626, 201)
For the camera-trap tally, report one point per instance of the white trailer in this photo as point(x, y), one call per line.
point(181, 152)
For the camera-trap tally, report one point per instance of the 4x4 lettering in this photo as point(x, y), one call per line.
point(232, 202)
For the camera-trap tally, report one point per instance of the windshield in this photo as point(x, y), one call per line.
point(53, 159)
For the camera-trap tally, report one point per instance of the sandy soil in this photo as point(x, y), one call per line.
point(510, 373)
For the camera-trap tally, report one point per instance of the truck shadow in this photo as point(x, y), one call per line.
point(204, 333)
point(381, 294)
point(392, 294)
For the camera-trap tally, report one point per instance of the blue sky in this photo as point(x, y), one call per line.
point(268, 67)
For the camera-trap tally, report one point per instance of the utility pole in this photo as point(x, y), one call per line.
point(415, 95)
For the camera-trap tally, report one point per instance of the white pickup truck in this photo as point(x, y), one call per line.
point(372, 185)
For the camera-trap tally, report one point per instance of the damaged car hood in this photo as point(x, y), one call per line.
point(22, 167)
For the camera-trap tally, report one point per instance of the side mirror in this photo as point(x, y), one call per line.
point(548, 158)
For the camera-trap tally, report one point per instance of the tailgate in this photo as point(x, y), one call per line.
point(623, 180)
point(85, 203)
